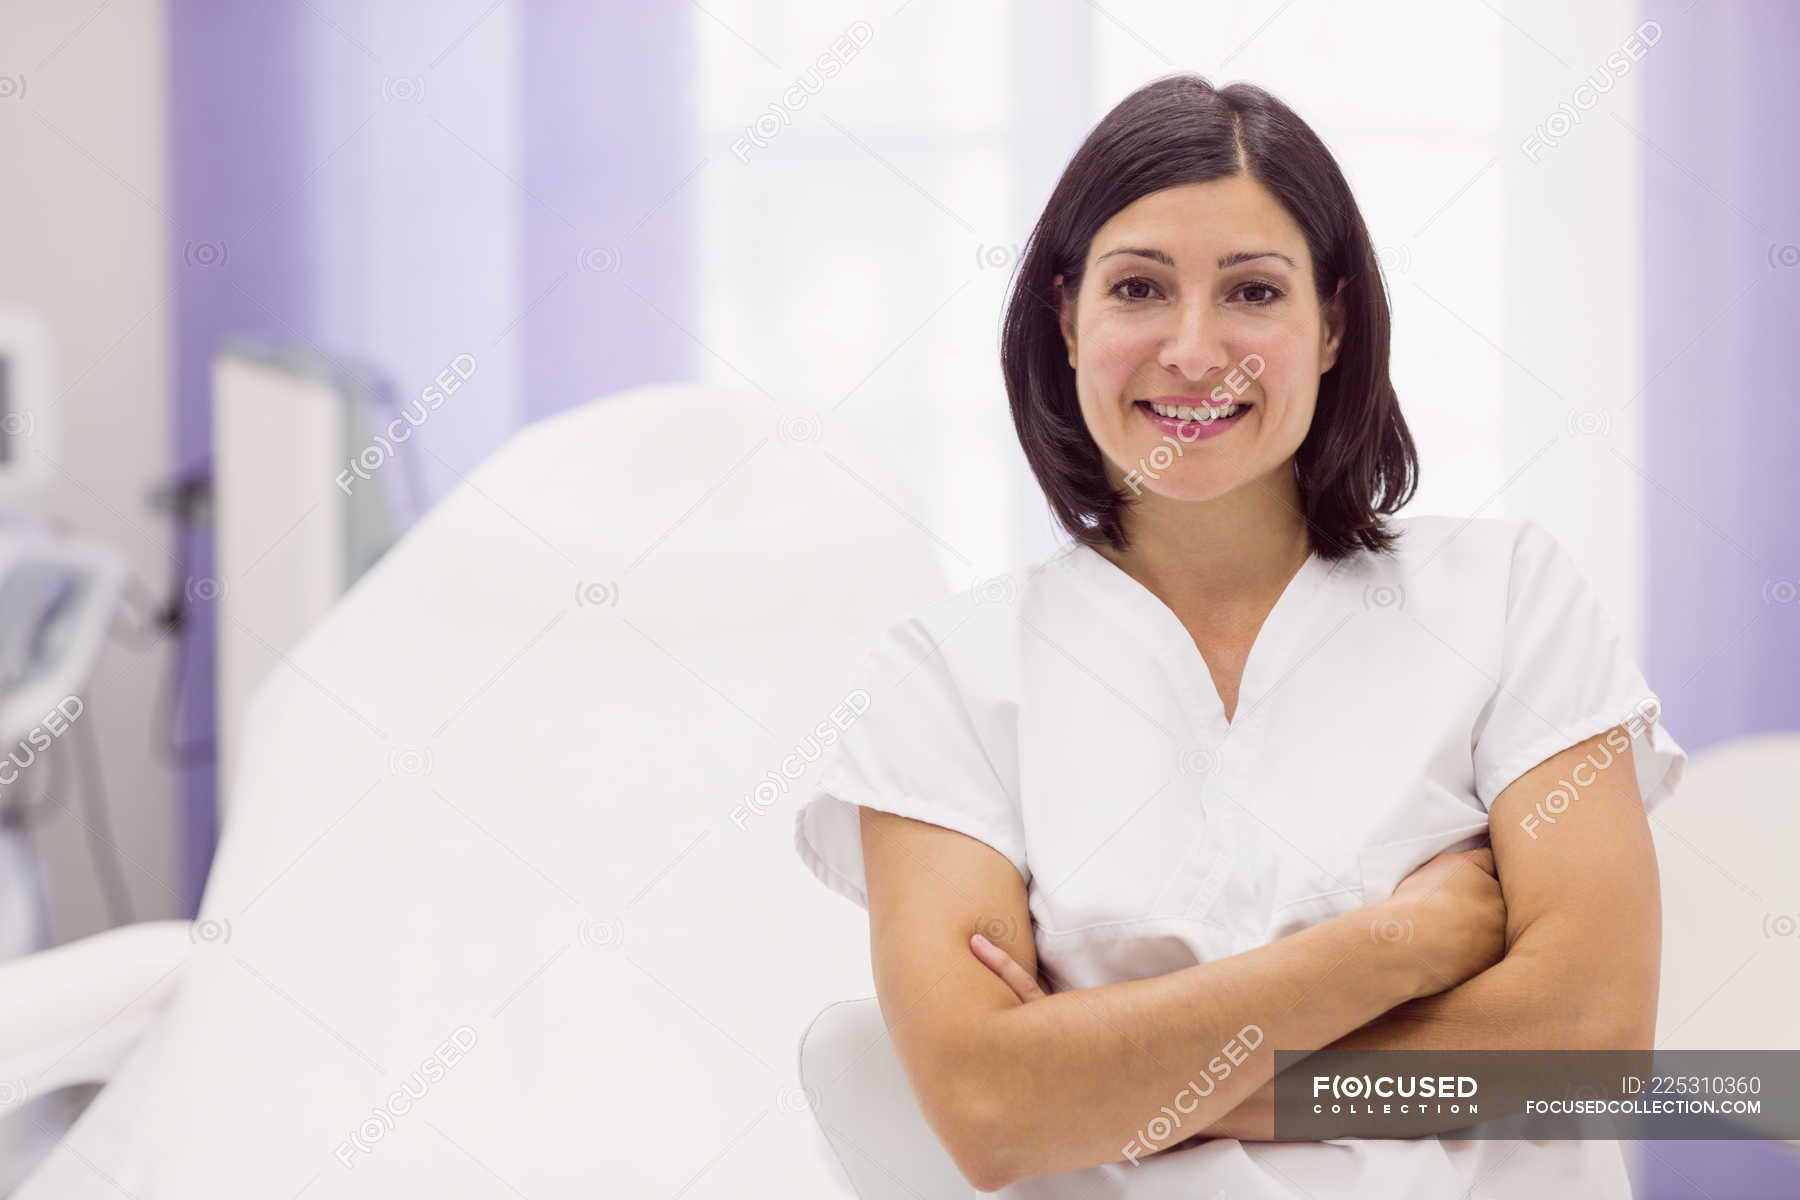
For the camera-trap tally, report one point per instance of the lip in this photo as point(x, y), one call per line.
point(1188, 431)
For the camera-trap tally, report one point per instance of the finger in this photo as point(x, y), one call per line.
point(1011, 973)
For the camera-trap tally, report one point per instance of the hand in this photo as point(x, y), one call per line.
point(1452, 914)
point(1010, 972)
point(1252, 1120)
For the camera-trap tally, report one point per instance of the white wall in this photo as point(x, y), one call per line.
point(85, 244)
point(848, 257)
point(1574, 304)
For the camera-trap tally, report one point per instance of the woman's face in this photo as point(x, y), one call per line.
point(1199, 295)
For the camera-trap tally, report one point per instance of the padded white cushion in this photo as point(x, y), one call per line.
point(863, 1102)
point(486, 814)
point(1731, 900)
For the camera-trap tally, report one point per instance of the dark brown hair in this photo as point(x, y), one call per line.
point(1357, 460)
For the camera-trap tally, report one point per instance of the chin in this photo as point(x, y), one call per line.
point(1191, 490)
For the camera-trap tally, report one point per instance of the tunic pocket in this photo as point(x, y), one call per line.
point(1310, 910)
point(1379, 869)
point(1383, 865)
point(1156, 866)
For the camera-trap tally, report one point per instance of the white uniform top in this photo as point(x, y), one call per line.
point(1063, 715)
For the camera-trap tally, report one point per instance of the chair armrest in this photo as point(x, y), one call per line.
point(72, 1013)
point(865, 1107)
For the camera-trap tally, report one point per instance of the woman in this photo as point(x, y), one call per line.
point(1247, 766)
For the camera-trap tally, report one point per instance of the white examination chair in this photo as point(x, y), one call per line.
point(1731, 900)
point(497, 908)
point(866, 1108)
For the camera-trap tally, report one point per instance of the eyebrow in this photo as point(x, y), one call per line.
point(1230, 260)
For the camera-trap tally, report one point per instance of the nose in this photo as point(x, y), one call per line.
point(1195, 346)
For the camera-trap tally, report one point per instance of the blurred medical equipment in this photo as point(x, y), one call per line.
point(57, 600)
point(27, 412)
point(58, 595)
point(298, 515)
point(511, 782)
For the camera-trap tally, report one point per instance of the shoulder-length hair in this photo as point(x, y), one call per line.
point(1357, 461)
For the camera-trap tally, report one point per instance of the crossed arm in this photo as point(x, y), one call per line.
point(1583, 932)
point(993, 1069)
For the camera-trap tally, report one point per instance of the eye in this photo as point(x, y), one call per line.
point(1269, 292)
point(1275, 293)
point(1128, 282)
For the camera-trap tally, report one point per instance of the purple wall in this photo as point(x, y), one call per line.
point(395, 185)
point(238, 261)
point(1722, 510)
point(1722, 274)
point(612, 163)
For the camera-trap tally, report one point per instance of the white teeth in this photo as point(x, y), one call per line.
point(1199, 413)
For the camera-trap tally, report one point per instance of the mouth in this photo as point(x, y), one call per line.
point(1190, 421)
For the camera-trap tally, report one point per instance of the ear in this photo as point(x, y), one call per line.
point(1065, 317)
point(1332, 331)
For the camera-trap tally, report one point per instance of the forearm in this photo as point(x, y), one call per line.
point(1546, 994)
point(1072, 1080)
point(1515, 1004)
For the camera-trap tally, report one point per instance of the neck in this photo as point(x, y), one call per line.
point(1219, 556)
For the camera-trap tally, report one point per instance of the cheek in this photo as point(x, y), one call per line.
point(1289, 364)
point(1113, 353)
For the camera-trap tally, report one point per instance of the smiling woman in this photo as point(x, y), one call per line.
point(1196, 353)
point(1197, 234)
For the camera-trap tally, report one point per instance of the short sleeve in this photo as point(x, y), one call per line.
point(916, 743)
point(1565, 676)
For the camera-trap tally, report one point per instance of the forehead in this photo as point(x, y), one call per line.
point(1198, 223)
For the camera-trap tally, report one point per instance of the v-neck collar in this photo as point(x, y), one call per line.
point(1155, 625)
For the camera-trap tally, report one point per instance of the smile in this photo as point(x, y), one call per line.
point(1200, 421)
point(1195, 412)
